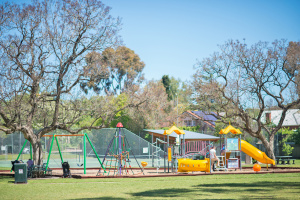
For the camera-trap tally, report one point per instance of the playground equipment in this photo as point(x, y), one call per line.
point(236, 145)
point(256, 167)
point(172, 155)
point(231, 145)
point(117, 156)
point(157, 151)
point(256, 153)
point(54, 137)
point(189, 165)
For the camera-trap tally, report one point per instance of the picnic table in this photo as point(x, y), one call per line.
point(284, 160)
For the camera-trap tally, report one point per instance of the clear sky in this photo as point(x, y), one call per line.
point(171, 35)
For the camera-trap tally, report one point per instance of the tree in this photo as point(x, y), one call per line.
point(167, 84)
point(43, 49)
point(153, 112)
point(239, 83)
point(119, 69)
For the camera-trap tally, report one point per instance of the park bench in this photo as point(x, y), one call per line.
point(47, 171)
point(284, 161)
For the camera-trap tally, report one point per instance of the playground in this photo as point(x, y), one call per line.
point(122, 173)
point(120, 158)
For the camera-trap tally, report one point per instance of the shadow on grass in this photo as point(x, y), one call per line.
point(108, 198)
point(247, 187)
point(174, 192)
point(251, 190)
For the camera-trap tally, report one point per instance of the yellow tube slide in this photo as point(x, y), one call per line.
point(189, 165)
point(256, 153)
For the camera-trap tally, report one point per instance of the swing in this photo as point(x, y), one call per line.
point(79, 164)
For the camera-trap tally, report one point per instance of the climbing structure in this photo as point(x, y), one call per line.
point(117, 160)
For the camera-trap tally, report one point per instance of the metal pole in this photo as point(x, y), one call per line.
point(61, 158)
point(95, 150)
point(12, 146)
point(152, 151)
point(183, 145)
point(168, 151)
point(241, 154)
point(20, 142)
point(84, 154)
point(20, 151)
point(164, 154)
point(50, 152)
point(120, 152)
point(149, 150)
point(45, 147)
point(30, 150)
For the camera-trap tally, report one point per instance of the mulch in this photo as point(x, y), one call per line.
point(153, 172)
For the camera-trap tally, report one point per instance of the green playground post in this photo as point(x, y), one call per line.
point(94, 150)
point(21, 151)
point(50, 152)
point(30, 150)
point(84, 155)
point(61, 158)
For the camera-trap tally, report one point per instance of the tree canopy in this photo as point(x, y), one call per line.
point(113, 71)
point(240, 77)
point(44, 48)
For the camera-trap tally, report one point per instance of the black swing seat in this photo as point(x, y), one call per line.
point(66, 170)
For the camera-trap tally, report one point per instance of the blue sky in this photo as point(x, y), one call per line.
point(171, 35)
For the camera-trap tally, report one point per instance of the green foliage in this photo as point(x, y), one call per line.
point(112, 71)
point(166, 81)
point(287, 135)
point(286, 148)
point(188, 128)
point(295, 136)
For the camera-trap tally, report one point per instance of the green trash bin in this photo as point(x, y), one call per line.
point(20, 173)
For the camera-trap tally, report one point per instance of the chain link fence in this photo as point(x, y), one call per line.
point(72, 148)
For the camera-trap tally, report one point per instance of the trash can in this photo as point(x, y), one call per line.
point(20, 172)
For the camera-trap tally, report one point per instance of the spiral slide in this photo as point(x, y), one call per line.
point(256, 153)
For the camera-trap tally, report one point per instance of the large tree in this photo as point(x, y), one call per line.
point(43, 50)
point(240, 82)
point(121, 67)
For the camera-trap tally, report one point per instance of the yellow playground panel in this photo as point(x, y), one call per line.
point(189, 165)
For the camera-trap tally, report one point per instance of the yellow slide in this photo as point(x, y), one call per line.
point(256, 153)
point(189, 165)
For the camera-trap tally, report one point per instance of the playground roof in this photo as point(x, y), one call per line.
point(189, 135)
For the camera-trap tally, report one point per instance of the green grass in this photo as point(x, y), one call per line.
point(297, 164)
point(254, 186)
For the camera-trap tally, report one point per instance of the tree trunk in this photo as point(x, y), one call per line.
point(269, 145)
point(37, 151)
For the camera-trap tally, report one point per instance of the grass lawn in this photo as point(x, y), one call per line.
point(297, 164)
point(254, 186)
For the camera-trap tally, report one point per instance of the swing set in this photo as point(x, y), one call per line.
point(54, 137)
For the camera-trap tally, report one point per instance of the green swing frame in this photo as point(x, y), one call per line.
point(54, 136)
